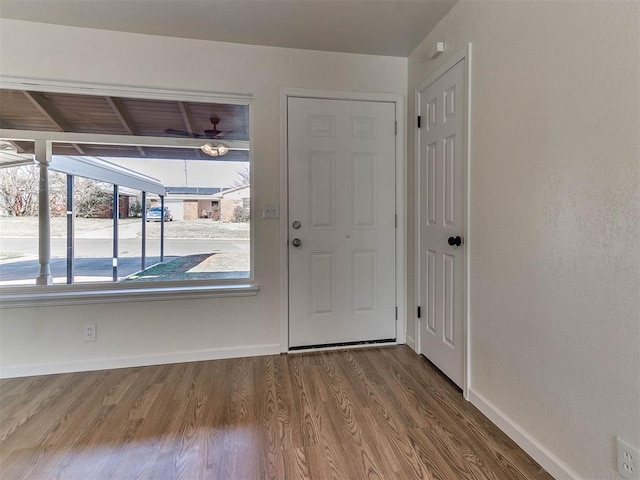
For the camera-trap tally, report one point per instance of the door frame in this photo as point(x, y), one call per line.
point(401, 181)
point(464, 55)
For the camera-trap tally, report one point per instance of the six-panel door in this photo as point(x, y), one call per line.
point(341, 171)
point(442, 217)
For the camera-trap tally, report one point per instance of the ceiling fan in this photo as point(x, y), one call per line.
point(215, 133)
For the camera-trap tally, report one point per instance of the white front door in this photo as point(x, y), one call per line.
point(341, 210)
point(443, 222)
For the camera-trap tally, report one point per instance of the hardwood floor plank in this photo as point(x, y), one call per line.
point(378, 413)
point(296, 464)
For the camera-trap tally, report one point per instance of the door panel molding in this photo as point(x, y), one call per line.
point(363, 128)
point(465, 55)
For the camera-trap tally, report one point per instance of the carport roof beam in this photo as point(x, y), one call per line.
point(103, 171)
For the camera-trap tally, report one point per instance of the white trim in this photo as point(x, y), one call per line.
point(401, 211)
point(341, 95)
point(17, 297)
point(341, 347)
point(284, 222)
point(462, 55)
point(411, 343)
point(469, 132)
point(139, 360)
point(99, 89)
point(552, 464)
point(401, 182)
point(416, 202)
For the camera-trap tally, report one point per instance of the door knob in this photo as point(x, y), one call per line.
point(457, 241)
point(296, 242)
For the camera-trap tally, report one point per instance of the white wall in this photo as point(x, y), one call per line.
point(52, 335)
point(555, 189)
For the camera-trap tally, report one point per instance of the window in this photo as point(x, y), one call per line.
point(140, 191)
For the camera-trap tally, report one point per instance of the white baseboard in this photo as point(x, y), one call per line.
point(552, 464)
point(138, 361)
point(411, 343)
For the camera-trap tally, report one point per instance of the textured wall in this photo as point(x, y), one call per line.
point(555, 222)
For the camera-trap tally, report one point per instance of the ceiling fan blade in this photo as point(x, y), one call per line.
point(181, 133)
point(217, 133)
point(212, 133)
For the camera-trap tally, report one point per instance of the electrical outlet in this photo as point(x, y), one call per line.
point(628, 460)
point(89, 332)
point(271, 211)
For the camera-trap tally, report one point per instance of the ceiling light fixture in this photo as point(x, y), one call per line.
point(216, 151)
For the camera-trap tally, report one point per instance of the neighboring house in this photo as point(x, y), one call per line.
point(231, 199)
point(106, 210)
point(191, 203)
point(191, 185)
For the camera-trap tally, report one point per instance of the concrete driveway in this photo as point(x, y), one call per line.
point(93, 256)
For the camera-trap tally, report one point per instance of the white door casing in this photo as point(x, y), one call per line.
point(341, 187)
point(443, 217)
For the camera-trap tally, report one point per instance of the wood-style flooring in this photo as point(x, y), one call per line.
point(375, 413)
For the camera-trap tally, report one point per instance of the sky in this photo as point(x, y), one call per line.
point(185, 173)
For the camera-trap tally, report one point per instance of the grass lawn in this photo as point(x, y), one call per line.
point(10, 255)
point(27, 227)
point(198, 229)
point(205, 266)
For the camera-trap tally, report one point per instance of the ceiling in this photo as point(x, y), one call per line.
point(62, 112)
point(376, 27)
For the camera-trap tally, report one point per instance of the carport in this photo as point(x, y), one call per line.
point(103, 171)
point(89, 167)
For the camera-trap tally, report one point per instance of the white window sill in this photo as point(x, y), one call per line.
point(89, 294)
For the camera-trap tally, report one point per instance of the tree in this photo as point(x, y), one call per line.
point(19, 188)
point(91, 198)
point(244, 178)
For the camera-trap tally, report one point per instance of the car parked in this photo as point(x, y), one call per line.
point(154, 214)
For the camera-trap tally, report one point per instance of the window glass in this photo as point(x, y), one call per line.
point(19, 213)
point(127, 209)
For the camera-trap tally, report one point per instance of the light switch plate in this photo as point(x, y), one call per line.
point(271, 210)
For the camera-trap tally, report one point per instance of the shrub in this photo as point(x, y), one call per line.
point(241, 214)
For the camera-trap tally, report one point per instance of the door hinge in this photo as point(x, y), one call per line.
point(396, 220)
point(396, 128)
point(419, 120)
point(396, 313)
point(418, 311)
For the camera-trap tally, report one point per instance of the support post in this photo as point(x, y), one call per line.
point(70, 235)
point(162, 229)
point(43, 150)
point(143, 253)
point(116, 212)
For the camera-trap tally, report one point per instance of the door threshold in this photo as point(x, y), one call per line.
point(343, 346)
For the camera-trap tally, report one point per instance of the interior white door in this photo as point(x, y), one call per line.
point(341, 172)
point(443, 222)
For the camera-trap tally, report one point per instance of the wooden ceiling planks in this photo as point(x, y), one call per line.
point(40, 111)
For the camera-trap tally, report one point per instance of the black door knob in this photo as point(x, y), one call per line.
point(296, 242)
point(457, 241)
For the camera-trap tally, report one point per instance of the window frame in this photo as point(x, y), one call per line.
point(87, 293)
